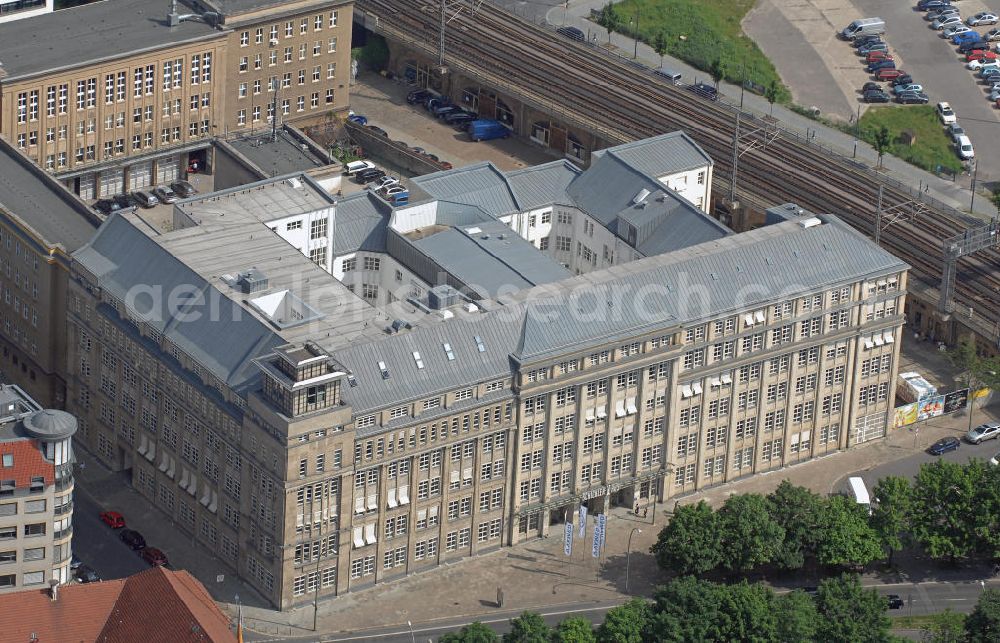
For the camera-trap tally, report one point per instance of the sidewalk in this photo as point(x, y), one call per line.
point(956, 194)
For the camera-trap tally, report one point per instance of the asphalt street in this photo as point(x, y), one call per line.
point(97, 545)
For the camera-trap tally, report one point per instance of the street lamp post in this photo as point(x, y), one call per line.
point(975, 169)
point(628, 554)
point(413, 638)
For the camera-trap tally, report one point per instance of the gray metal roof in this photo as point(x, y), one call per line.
point(218, 334)
point(733, 274)
point(664, 154)
point(89, 33)
point(360, 223)
point(282, 155)
point(481, 185)
point(490, 258)
point(42, 203)
point(236, 7)
point(665, 220)
point(544, 184)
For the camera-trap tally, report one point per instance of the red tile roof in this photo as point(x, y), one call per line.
point(151, 606)
point(28, 463)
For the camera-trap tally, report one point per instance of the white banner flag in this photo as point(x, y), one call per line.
point(568, 539)
point(595, 548)
point(583, 521)
point(602, 520)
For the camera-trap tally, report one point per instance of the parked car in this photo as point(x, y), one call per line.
point(183, 188)
point(928, 5)
point(983, 432)
point(957, 30)
point(941, 12)
point(982, 18)
point(908, 87)
point(946, 113)
point(875, 46)
point(964, 148)
point(987, 72)
point(459, 118)
point(895, 602)
point(417, 96)
point(154, 557)
point(113, 519)
point(86, 574)
point(145, 199)
point(875, 96)
point(358, 118)
point(881, 64)
point(165, 194)
point(444, 110)
point(877, 55)
point(888, 74)
point(964, 37)
point(992, 34)
point(132, 538)
point(871, 86)
point(979, 63)
point(572, 33)
point(980, 55)
point(385, 182)
point(861, 41)
point(995, 460)
point(355, 167)
point(434, 102)
point(954, 130)
point(912, 98)
point(946, 21)
point(367, 176)
point(994, 95)
point(109, 206)
point(905, 79)
point(706, 90)
point(944, 445)
point(974, 45)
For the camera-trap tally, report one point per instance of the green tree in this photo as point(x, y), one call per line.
point(850, 612)
point(846, 537)
point(796, 617)
point(977, 371)
point(686, 609)
point(471, 633)
point(891, 512)
point(797, 510)
point(983, 625)
point(660, 46)
point(718, 70)
point(946, 498)
point(689, 544)
point(946, 627)
point(529, 627)
point(750, 536)
point(574, 630)
point(625, 623)
point(771, 94)
point(881, 139)
point(608, 18)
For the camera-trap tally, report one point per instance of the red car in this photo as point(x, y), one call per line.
point(113, 519)
point(877, 55)
point(154, 557)
point(888, 74)
point(980, 55)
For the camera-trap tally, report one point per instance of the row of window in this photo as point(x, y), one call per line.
point(316, 22)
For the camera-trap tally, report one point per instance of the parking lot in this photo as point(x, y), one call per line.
point(784, 28)
point(383, 102)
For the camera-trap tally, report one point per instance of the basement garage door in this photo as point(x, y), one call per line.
point(112, 183)
point(140, 175)
point(167, 169)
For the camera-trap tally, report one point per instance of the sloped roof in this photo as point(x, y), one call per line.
point(212, 329)
point(360, 223)
point(544, 184)
point(480, 184)
point(28, 463)
point(154, 606)
point(659, 155)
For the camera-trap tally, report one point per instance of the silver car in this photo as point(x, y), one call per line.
point(947, 21)
point(987, 431)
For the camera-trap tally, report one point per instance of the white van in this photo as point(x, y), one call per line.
point(860, 492)
point(863, 27)
point(354, 167)
point(671, 75)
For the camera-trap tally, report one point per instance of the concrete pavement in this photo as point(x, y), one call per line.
point(953, 193)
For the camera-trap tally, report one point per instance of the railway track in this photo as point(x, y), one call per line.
point(622, 102)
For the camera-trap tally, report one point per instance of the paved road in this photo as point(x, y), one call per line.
point(97, 545)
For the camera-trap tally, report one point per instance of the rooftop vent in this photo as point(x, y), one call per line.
point(385, 371)
point(252, 281)
point(811, 222)
point(442, 296)
point(640, 197)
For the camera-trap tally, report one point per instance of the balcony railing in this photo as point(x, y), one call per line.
point(64, 533)
point(62, 510)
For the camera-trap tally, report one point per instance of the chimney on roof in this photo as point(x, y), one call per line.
point(54, 589)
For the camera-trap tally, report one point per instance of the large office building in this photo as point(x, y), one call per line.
point(36, 492)
point(330, 394)
point(117, 95)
